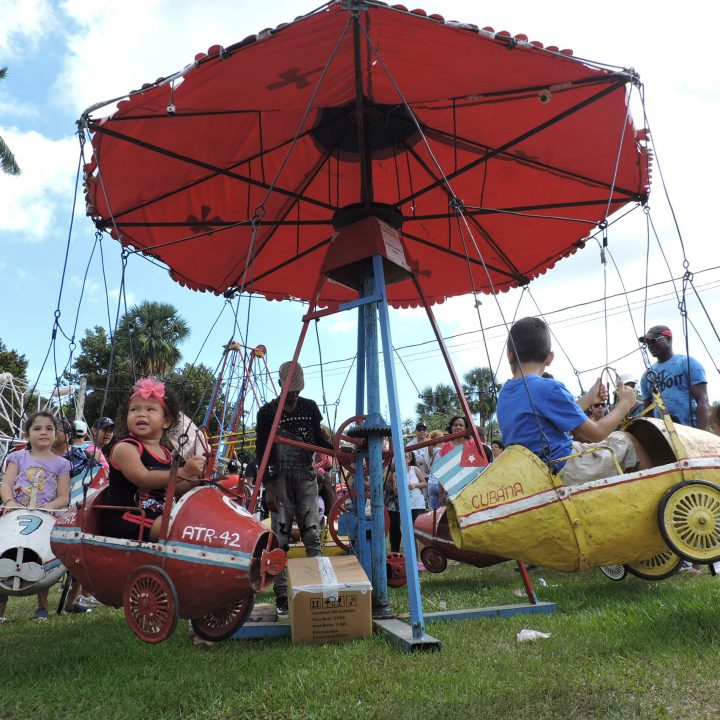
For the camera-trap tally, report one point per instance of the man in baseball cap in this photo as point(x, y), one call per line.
point(679, 378)
point(422, 455)
point(631, 381)
point(656, 332)
point(80, 438)
point(103, 423)
point(103, 430)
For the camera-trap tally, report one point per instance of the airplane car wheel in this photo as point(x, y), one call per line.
point(433, 559)
point(689, 518)
point(221, 624)
point(658, 567)
point(614, 572)
point(150, 604)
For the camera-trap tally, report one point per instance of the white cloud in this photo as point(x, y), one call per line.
point(24, 22)
point(19, 110)
point(37, 201)
point(341, 324)
point(130, 297)
point(91, 287)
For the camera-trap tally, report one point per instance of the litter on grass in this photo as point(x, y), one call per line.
point(526, 635)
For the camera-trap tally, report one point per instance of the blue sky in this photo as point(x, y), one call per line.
point(64, 56)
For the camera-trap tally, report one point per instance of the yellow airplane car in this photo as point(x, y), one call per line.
point(648, 520)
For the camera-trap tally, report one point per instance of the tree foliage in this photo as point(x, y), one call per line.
point(150, 335)
point(154, 330)
point(92, 363)
point(8, 164)
point(11, 361)
point(193, 386)
point(481, 391)
point(437, 405)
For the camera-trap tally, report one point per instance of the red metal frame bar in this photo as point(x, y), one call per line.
point(169, 496)
point(456, 381)
point(281, 402)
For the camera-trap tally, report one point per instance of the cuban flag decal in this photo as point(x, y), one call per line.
point(458, 468)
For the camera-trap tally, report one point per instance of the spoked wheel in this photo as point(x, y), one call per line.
point(342, 439)
point(223, 623)
point(433, 559)
point(342, 506)
point(689, 518)
point(150, 603)
point(614, 572)
point(658, 567)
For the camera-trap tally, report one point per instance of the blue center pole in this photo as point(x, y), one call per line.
point(376, 428)
point(406, 523)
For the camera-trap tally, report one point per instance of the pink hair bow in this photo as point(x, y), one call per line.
point(149, 389)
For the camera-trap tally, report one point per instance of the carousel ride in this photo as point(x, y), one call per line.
point(318, 162)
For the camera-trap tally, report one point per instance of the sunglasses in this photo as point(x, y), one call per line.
point(598, 405)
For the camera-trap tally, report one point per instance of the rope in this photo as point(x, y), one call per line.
point(456, 204)
point(398, 356)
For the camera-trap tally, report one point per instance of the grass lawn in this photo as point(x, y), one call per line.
point(630, 650)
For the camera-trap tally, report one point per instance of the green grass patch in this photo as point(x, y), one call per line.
point(632, 649)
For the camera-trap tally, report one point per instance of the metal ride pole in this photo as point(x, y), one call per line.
point(381, 604)
point(406, 523)
point(360, 364)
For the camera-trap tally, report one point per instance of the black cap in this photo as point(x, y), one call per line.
point(103, 422)
point(421, 426)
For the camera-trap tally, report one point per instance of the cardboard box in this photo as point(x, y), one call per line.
point(330, 599)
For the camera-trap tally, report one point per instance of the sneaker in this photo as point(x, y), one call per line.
point(3, 619)
point(40, 614)
point(281, 606)
point(78, 608)
point(421, 567)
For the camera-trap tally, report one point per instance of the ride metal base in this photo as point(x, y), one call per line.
point(400, 632)
point(492, 611)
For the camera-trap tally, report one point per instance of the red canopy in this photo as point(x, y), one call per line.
point(446, 123)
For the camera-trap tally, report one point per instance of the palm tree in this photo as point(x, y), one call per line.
point(437, 405)
point(7, 159)
point(150, 334)
point(481, 390)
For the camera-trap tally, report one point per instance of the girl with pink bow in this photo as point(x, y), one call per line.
point(140, 463)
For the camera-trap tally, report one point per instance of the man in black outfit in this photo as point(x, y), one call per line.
point(291, 489)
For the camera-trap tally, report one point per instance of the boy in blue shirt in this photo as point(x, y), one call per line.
point(540, 413)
